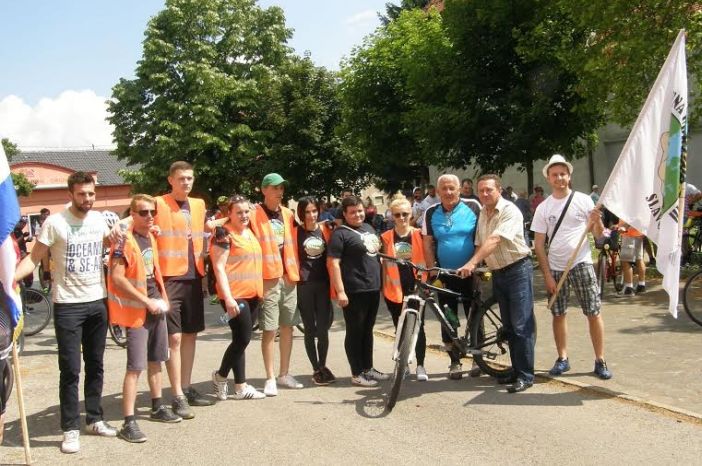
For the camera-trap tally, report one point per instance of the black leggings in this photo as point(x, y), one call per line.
point(317, 316)
point(420, 348)
point(234, 358)
point(3, 395)
point(360, 315)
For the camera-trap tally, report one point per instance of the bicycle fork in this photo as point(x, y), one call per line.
point(401, 323)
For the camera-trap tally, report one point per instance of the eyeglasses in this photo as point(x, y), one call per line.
point(146, 212)
point(401, 214)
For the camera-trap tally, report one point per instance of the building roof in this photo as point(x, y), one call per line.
point(102, 162)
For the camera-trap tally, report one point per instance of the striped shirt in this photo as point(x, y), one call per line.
point(508, 223)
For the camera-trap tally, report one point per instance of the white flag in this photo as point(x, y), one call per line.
point(646, 188)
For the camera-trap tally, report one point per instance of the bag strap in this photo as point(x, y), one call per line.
point(560, 219)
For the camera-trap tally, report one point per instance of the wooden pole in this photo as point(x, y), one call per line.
point(20, 402)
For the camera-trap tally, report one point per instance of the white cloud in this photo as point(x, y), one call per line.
point(74, 119)
point(365, 20)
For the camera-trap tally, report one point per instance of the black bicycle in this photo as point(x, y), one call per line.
point(484, 339)
point(692, 297)
point(37, 310)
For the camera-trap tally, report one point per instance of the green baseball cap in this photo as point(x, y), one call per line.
point(272, 179)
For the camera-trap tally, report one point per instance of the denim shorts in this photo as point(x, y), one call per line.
point(583, 281)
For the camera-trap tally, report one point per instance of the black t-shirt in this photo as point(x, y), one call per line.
point(357, 248)
point(191, 274)
point(403, 250)
point(312, 249)
point(147, 256)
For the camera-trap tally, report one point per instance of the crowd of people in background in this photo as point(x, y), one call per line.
point(268, 265)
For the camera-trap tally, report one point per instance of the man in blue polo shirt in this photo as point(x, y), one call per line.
point(449, 241)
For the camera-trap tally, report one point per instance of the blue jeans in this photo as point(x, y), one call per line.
point(514, 293)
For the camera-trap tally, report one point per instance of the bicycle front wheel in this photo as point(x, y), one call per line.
point(692, 297)
point(488, 335)
point(37, 311)
point(402, 363)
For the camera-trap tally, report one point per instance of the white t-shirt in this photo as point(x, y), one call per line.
point(76, 249)
point(570, 231)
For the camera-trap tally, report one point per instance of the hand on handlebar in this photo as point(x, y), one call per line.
point(466, 270)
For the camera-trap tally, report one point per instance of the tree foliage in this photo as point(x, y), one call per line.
point(624, 47)
point(217, 86)
point(461, 88)
point(393, 10)
point(23, 187)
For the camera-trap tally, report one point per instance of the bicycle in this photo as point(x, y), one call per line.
point(608, 267)
point(692, 240)
point(37, 310)
point(484, 337)
point(692, 297)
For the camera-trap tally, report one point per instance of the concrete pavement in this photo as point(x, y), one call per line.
point(654, 359)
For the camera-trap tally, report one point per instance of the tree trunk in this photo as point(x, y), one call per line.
point(529, 166)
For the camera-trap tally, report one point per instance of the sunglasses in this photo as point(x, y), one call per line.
point(146, 212)
point(401, 214)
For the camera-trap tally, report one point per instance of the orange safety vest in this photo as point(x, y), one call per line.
point(173, 241)
point(326, 234)
point(244, 266)
point(392, 287)
point(273, 266)
point(123, 309)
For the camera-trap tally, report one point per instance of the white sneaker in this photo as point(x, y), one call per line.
point(102, 429)
point(289, 381)
point(221, 387)
point(249, 393)
point(270, 389)
point(475, 370)
point(455, 371)
point(375, 374)
point(422, 374)
point(71, 442)
point(363, 381)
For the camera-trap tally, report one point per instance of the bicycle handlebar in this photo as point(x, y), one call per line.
point(440, 270)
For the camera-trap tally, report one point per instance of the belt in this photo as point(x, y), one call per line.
point(512, 265)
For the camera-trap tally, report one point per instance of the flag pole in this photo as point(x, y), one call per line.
point(20, 403)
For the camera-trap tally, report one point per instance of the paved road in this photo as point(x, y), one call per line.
point(441, 421)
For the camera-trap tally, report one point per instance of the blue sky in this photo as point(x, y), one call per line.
point(58, 58)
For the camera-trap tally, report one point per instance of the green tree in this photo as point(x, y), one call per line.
point(217, 86)
point(23, 187)
point(304, 115)
point(392, 97)
point(393, 10)
point(624, 47)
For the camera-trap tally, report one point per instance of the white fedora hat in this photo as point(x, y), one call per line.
point(557, 159)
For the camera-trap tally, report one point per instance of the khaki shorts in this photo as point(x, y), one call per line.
point(279, 305)
point(631, 250)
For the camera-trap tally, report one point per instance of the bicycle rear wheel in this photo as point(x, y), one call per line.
point(601, 272)
point(692, 297)
point(402, 363)
point(488, 335)
point(37, 311)
point(118, 334)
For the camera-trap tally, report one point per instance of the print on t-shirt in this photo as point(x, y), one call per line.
point(278, 231)
point(371, 242)
point(403, 250)
point(314, 247)
point(84, 255)
point(147, 255)
point(185, 210)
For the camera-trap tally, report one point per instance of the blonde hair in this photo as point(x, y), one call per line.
point(140, 197)
point(398, 202)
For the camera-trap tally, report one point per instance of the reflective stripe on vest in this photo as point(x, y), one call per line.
point(172, 239)
point(392, 284)
point(244, 267)
point(273, 266)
